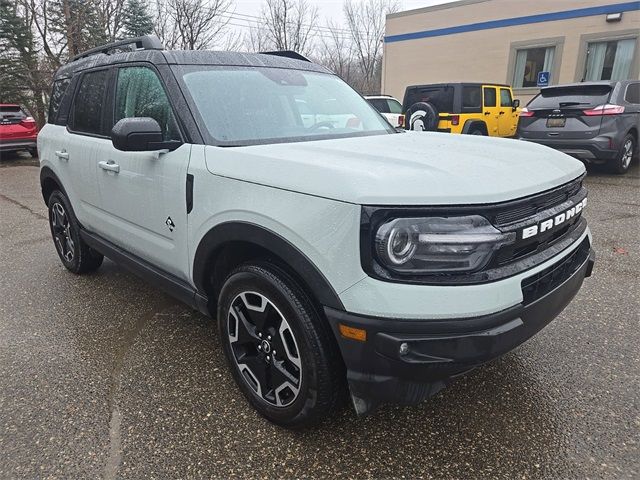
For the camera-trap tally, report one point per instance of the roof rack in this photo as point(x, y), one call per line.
point(148, 42)
point(287, 54)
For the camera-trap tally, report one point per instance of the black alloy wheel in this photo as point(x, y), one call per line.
point(282, 353)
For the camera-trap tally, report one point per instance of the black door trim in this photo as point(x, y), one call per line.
point(167, 282)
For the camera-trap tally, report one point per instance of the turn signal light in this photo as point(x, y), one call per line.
point(401, 121)
point(353, 333)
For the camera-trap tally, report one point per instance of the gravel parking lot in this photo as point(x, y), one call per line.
point(105, 376)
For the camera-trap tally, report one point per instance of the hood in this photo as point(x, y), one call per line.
point(402, 169)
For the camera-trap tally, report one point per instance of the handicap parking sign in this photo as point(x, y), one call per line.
point(543, 79)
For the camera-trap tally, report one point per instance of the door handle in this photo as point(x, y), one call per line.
point(109, 166)
point(62, 154)
point(501, 113)
point(487, 113)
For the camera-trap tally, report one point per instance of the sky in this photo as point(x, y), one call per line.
point(328, 9)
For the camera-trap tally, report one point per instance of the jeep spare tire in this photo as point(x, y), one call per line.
point(423, 117)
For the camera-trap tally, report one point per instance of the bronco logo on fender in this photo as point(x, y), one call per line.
point(553, 221)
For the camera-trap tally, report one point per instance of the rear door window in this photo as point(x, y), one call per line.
point(489, 97)
point(632, 95)
point(88, 103)
point(580, 97)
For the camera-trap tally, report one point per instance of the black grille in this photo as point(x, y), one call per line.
point(548, 279)
point(535, 204)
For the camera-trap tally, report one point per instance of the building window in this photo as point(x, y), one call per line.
point(530, 62)
point(609, 60)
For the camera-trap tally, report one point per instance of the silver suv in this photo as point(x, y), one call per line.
point(338, 256)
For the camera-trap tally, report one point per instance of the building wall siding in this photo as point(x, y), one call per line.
point(483, 55)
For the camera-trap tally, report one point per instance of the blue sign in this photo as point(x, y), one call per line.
point(543, 79)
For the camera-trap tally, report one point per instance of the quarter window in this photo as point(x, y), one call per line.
point(59, 89)
point(632, 94)
point(505, 98)
point(609, 60)
point(139, 93)
point(530, 62)
point(87, 106)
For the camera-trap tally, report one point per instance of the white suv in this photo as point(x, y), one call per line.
point(339, 257)
point(389, 108)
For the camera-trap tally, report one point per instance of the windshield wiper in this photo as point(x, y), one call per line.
point(573, 104)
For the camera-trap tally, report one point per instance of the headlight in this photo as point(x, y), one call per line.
point(438, 244)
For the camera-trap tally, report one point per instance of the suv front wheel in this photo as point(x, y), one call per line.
point(75, 255)
point(281, 352)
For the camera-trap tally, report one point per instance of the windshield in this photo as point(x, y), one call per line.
point(575, 96)
point(248, 105)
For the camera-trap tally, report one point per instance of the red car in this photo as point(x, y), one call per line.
point(18, 130)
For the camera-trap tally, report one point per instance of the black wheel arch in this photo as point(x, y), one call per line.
point(49, 182)
point(226, 244)
point(471, 125)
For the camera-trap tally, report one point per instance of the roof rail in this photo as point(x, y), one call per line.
point(148, 42)
point(288, 54)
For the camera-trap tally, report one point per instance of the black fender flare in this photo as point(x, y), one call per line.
point(471, 125)
point(228, 232)
point(47, 173)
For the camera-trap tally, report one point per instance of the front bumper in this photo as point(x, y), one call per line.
point(406, 361)
point(593, 150)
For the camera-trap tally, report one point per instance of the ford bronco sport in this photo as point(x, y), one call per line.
point(339, 257)
point(471, 108)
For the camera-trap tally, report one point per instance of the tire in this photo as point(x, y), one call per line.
point(74, 253)
point(476, 131)
point(267, 324)
point(33, 152)
point(423, 117)
point(621, 163)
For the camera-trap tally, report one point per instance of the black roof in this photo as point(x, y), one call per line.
point(459, 84)
point(102, 56)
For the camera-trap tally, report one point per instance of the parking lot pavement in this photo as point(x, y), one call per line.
point(103, 375)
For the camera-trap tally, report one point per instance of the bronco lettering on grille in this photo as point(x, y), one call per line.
point(552, 222)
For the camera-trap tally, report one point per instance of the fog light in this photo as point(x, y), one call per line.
point(404, 348)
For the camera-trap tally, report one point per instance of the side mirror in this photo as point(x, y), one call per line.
point(515, 104)
point(140, 134)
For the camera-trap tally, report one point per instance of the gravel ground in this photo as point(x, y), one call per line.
point(105, 376)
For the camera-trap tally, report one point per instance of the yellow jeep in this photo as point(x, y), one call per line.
point(471, 108)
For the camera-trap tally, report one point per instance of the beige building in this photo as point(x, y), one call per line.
point(512, 41)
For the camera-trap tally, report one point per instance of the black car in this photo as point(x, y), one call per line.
point(597, 122)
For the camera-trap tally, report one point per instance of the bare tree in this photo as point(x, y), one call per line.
point(366, 21)
point(198, 24)
point(110, 14)
point(336, 53)
point(288, 25)
point(257, 39)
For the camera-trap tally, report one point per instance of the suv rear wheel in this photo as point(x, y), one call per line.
point(622, 161)
point(280, 350)
point(75, 255)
